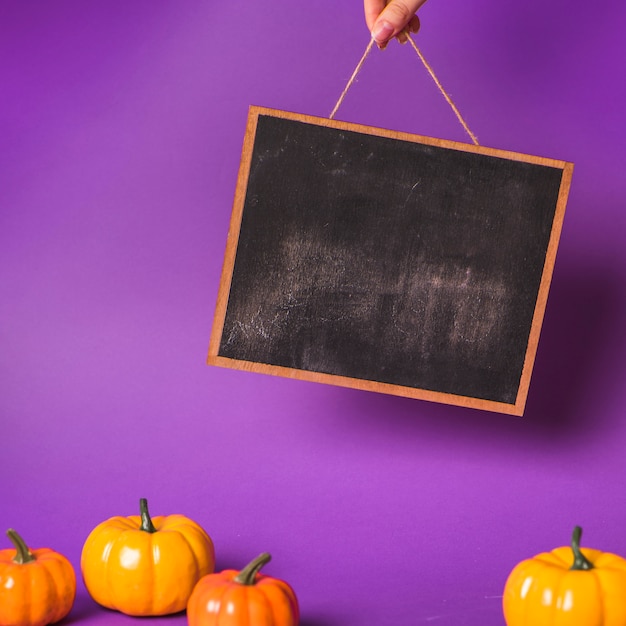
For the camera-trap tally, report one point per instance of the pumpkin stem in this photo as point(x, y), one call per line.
point(22, 553)
point(146, 522)
point(247, 576)
point(581, 562)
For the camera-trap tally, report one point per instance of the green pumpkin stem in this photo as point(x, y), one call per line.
point(581, 562)
point(22, 553)
point(146, 522)
point(247, 576)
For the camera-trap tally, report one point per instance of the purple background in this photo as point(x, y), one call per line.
point(120, 138)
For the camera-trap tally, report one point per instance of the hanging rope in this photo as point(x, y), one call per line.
point(429, 69)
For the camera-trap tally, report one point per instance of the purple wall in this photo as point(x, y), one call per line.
point(120, 138)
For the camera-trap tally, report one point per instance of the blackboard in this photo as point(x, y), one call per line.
point(388, 262)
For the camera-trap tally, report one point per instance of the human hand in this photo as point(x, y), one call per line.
point(387, 19)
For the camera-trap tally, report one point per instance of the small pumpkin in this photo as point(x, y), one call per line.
point(37, 587)
point(570, 586)
point(143, 566)
point(245, 598)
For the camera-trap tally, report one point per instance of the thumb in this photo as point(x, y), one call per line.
point(397, 15)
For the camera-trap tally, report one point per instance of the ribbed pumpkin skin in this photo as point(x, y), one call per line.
point(544, 591)
point(218, 600)
point(36, 593)
point(143, 573)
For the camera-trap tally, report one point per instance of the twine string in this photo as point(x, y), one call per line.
point(429, 69)
point(357, 69)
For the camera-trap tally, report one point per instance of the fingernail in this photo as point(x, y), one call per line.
point(382, 31)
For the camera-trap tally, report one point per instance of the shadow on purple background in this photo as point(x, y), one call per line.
point(583, 327)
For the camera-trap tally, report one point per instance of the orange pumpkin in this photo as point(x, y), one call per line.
point(146, 566)
point(37, 587)
point(245, 598)
point(569, 586)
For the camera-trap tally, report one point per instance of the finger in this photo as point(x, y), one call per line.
point(414, 24)
point(412, 27)
point(373, 8)
point(394, 18)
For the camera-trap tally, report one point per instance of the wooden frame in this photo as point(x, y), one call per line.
point(388, 262)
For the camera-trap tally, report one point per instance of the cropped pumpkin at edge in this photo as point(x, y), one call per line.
point(569, 586)
point(144, 566)
point(245, 598)
point(37, 587)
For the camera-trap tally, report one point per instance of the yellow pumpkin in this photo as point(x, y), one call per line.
point(146, 566)
point(570, 586)
point(37, 587)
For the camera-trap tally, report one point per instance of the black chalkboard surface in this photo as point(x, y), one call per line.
point(388, 262)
